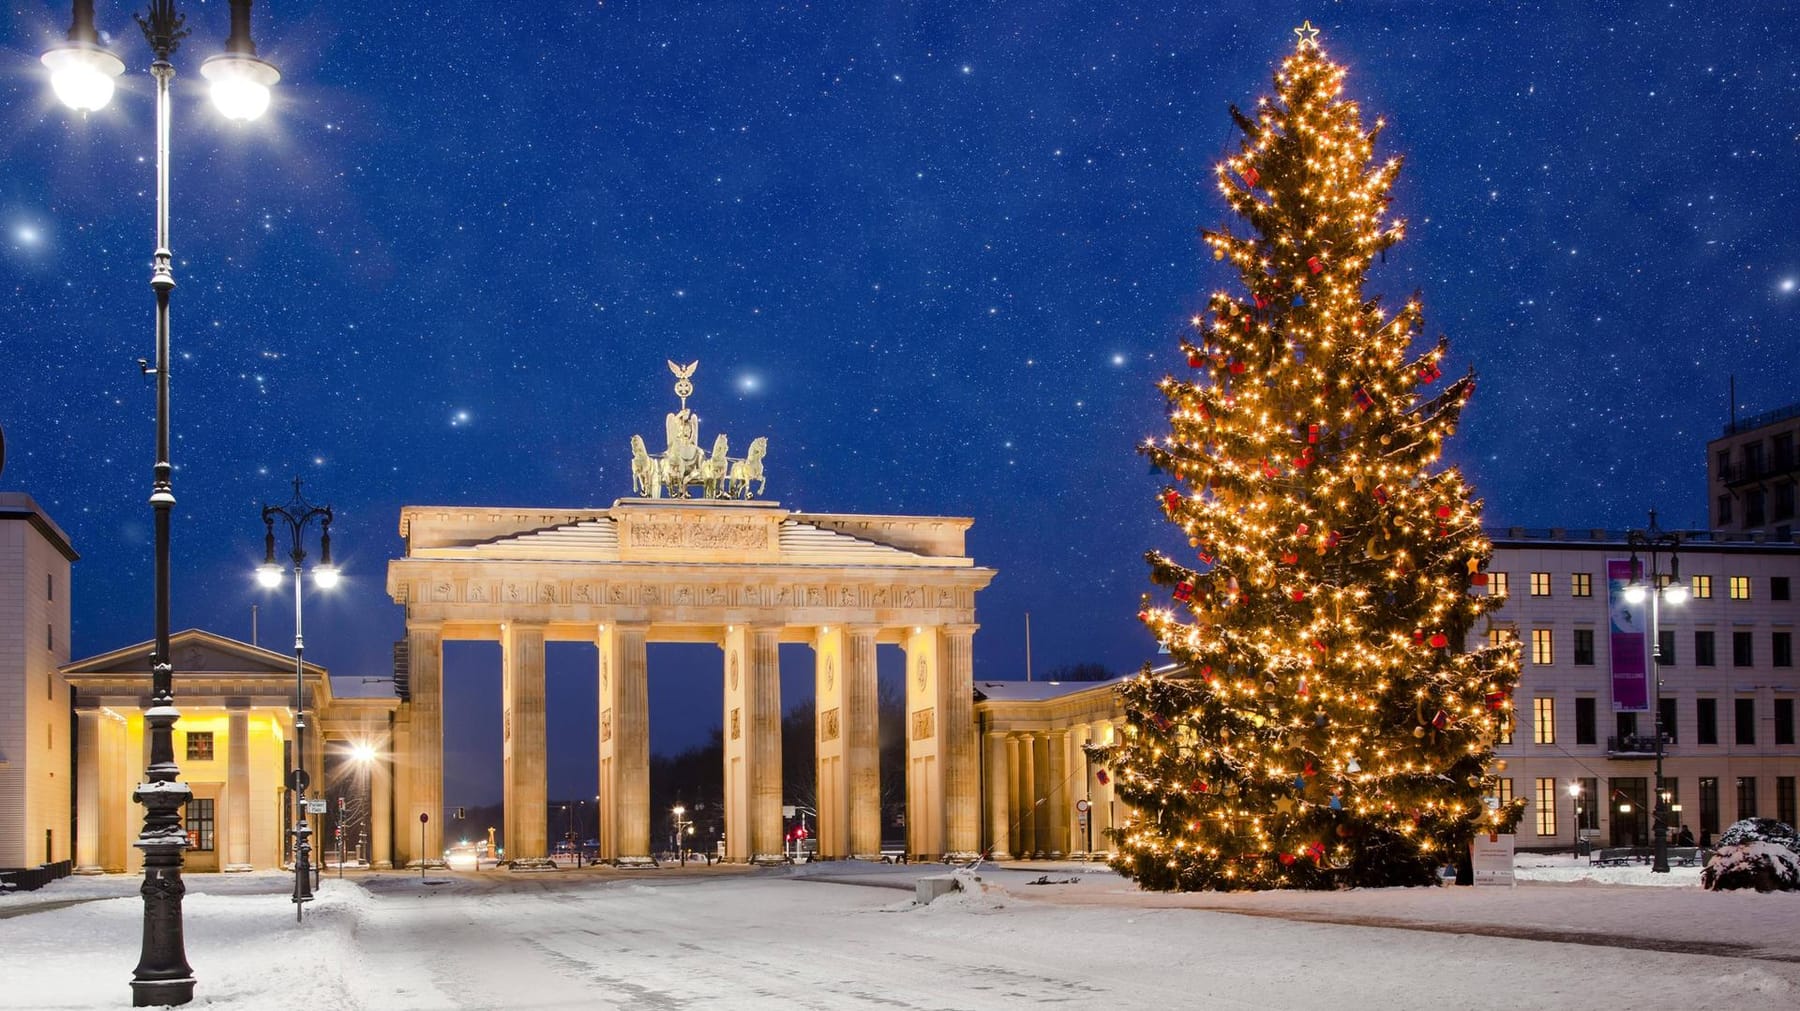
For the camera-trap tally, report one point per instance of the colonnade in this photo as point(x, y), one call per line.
point(1036, 781)
point(942, 768)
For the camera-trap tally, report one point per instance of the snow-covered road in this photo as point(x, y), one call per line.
point(834, 937)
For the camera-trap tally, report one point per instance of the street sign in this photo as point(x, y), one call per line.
point(423, 817)
point(459, 814)
point(316, 806)
point(298, 780)
point(1082, 805)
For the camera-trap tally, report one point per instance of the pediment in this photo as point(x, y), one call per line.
point(195, 653)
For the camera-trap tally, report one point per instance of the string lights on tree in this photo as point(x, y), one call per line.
point(1325, 726)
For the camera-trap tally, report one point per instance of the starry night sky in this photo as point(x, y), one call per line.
point(939, 253)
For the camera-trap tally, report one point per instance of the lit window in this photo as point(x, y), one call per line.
point(1543, 720)
point(1500, 635)
point(1540, 584)
point(1541, 652)
point(1546, 805)
point(1497, 586)
point(1702, 588)
point(1506, 791)
point(1581, 584)
point(200, 746)
point(1740, 587)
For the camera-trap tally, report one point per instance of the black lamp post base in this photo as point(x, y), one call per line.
point(161, 992)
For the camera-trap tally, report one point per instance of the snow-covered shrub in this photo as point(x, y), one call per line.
point(1759, 853)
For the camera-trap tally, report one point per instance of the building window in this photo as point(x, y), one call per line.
point(1743, 649)
point(1746, 791)
point(1584, 647)
point(49, 586)
point(1665, 709)
point(1724, 510)
point(1706, 718)
point(1505, 719)
point(1702, 588)
point(1497, 586)
point(1784, 501)
point(1753, 508)
point(200, 823)
point(1587, 804)
point(1703, 648)
point(200, 747)
point(1543, 720)
point(1665, 647)
point(1744, 720)
point(1540, 584)
point(1709, 805)
point(1506, 791)
point(1740, 587)
point(1500, 635)
point(1584, 720)
point(1784, 722)
point(1626, 725)
point(1784, 799)
point(1779, 588)
point(50, 637)
point(1781, 649)
point(1542, 653)
point(1546, 805)
point(1581, 584)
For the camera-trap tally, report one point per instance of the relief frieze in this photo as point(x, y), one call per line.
point(666, 534)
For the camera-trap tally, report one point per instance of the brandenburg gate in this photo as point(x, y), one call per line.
point(717, 567)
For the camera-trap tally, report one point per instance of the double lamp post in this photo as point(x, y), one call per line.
point(81, 74)
point(296, 516)
point(1658, 587)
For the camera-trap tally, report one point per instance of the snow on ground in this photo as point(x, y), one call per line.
point(847, 935)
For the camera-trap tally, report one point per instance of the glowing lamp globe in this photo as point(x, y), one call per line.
point(1675, 593)
point(82, 76)
point(268, 576)
point(1634, 594)
point(363, 753)
point(240, 84)
point(325, 577)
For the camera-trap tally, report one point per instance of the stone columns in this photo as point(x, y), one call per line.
point(237, 786)
point(1025, 787)
point(862, 742)
point(381, 811)
point(87, 790)
point(523, 741)
point(925, 748)
point(831, 771)
point(752, 744)
point(1057, 794)
point(849, 759)
point(763, 696)
point(999, 784)
point(624, 744)
point(962, 766)
point(1040, 795)
point(425, 658)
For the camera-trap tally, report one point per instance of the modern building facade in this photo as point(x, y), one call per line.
point(1728, 694)
point(35, 770)
point(1751, 472)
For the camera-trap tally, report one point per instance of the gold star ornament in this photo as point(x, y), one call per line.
point(1309, 36)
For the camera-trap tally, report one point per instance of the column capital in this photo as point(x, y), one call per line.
point(960, 628)
point(425, 626)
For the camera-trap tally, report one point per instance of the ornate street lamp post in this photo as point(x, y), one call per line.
point(298, 514)
point(1658, 589)
point(81, 74)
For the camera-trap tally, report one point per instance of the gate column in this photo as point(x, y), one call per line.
point(524, 757)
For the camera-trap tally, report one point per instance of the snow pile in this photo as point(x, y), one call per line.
point(1759, 853)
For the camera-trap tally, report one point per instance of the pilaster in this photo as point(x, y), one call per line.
point(237, 786)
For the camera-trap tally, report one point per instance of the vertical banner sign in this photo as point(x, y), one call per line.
point(1627, 622)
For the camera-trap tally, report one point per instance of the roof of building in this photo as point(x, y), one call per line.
point(1617, 540)
point(20, 506)
point(799, 543)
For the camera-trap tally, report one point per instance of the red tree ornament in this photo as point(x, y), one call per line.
point(1315, 264)
point(1364, 402)
point(1251, 176)
point(1184, 591)
point(1439, 640)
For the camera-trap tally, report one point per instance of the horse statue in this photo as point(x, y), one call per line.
point(681, 462)
point(715, 469)
point(749, 469)
point(646, 476)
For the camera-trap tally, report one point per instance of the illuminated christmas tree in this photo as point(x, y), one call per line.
point(1326, 727)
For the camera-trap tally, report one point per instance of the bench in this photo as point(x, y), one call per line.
point(1619, 856)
